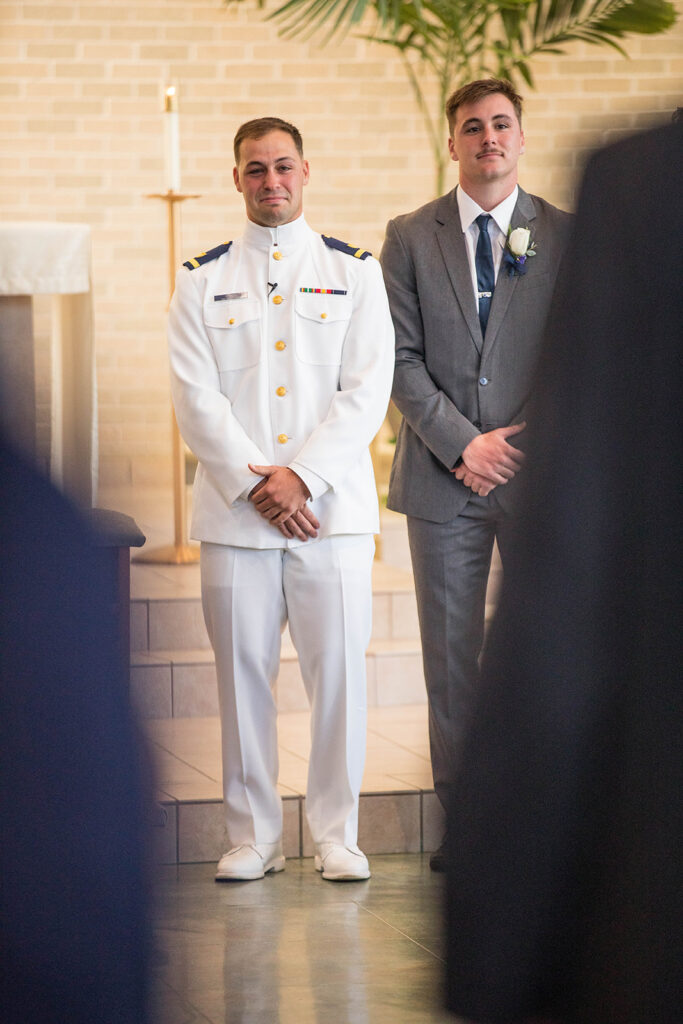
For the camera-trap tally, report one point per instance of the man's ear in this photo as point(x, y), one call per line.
point(451, 148)
point(236, 179)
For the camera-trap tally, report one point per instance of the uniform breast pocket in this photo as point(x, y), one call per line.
point(234, 329)
point(321, 325)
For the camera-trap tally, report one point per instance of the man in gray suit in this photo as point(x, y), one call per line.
point(469, 277)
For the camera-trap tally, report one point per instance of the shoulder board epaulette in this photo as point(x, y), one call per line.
point(206, 257)
point(350, 250)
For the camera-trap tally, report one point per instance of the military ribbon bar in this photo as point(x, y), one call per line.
point(325, 291)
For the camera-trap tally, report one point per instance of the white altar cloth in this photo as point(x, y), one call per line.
point(54, 259)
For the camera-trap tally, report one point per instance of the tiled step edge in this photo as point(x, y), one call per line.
point(409, 821)
point(182, 684)
point(158, 624)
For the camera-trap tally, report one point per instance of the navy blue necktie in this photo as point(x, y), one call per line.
point(484, 263)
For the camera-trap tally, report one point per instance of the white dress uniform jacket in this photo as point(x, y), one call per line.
point(282, 353)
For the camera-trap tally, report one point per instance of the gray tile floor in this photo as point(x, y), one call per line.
point(294, 949)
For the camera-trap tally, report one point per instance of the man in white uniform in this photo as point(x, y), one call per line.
point(281, 351)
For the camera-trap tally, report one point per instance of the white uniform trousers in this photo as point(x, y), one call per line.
point(324, 589)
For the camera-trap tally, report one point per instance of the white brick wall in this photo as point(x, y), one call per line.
point(81, 139)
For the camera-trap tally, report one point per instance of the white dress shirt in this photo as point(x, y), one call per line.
point(498, 226)
point(266, 370)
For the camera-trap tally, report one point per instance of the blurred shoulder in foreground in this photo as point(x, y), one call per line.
point(565, 876)
point(74, 896)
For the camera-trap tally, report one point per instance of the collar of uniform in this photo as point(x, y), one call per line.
point(285, 236)
point(469, 210)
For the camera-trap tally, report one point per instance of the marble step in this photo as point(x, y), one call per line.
point(398, 821)
point(182, 683)
point(166, 611)
point(398, 812)
point(172, 666)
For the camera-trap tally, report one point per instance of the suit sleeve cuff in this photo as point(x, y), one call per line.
point(453, 459)
point(316, 485)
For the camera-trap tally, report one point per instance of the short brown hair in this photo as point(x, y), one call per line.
point(474, 91)
point(261, 126)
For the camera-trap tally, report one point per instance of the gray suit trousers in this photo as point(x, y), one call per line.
point(451, 563)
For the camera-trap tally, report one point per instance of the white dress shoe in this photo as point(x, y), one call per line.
point(246, 862)
point(341, 863)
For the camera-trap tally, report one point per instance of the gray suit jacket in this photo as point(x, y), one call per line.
point(451, 384)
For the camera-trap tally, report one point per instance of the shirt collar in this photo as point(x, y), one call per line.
point(469, 210)
point(285, 236)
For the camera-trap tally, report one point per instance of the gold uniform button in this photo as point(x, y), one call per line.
point(281, 391)
point(277, 255)
point(280, 346)
point(282, 439)
point(231, 320)
point(323, 316)
point(277, 299)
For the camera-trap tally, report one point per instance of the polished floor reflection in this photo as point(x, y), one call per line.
point(294, 949)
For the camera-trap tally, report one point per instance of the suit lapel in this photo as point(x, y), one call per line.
point(522, 215)
point(452, 244)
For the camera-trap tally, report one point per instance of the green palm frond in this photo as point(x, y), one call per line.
point(506, 33)
point(308, 17)
point(551, 24)
point(458, 40)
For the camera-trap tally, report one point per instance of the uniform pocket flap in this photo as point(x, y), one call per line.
point(322, 308)
point(231, 313)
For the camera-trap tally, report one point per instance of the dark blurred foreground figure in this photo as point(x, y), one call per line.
point(73, 926)
point(565, 867)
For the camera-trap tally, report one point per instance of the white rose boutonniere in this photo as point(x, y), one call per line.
point(518, 250)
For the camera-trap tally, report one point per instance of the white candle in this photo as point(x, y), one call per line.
point(172, 138)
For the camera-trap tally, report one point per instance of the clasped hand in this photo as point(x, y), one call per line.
point(280, 497)
point(488, 460)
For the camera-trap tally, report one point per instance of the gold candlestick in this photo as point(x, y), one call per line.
point(181, 552)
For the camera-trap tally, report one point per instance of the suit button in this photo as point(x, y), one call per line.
point(277, 299)
point(277, 255)
point(231, 320)
point(323, 316)
point(282, 439)
point(280, 392)
point(483, 381)
point(477, 424)
point(280, 346)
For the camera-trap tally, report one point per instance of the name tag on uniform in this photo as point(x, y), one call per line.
point(231, 295)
